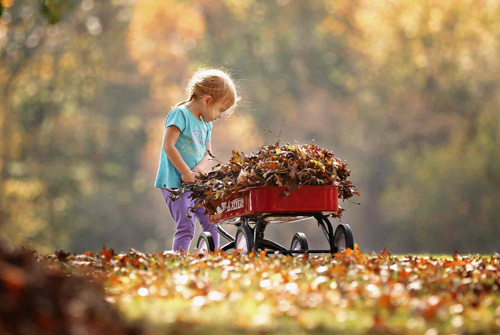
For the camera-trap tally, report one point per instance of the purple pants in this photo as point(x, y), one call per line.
point(184, 231)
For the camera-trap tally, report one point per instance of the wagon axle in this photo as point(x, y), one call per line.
point(250, 238)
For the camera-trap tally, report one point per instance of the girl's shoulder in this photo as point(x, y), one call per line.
point(178, 112)
point(178, 109)
point(177, 117)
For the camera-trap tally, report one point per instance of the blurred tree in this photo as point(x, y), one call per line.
point(73, 112)
point(21, 36)
point(406, 91)
point(449, 194)
point(435, 79)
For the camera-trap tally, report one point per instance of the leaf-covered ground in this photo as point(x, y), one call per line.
point(353, 293)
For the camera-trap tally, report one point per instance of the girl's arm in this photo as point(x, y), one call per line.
point(203, 164)
point(169, 139)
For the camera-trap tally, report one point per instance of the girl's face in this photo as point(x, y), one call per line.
point(214, 110)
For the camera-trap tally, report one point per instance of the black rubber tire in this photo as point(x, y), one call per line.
point(207, 239)
point(301, 239)
point(343, 239)
point(246, 233)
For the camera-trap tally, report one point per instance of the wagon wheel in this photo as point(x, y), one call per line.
point(299, 242)
point(205, 243)
point(343, 237)
point(244, 239)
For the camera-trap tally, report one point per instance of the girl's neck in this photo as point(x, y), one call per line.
point(195, 109)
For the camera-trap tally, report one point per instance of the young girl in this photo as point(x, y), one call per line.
point(186, 143)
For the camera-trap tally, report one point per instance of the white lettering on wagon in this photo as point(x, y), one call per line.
point(236, 204)
point(230, 206)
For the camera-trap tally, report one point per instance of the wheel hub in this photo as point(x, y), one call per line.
point(203, 247)
point(241, 243)
point(341, 242)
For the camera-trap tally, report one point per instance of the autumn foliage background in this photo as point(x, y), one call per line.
point(406, 92)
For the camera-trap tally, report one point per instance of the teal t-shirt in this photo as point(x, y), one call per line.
point(192, 145)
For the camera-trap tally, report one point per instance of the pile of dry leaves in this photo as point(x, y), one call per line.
point(289, 166)
point(36, 299)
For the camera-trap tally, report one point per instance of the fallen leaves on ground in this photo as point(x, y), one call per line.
point(355, 292)
point(35, 299)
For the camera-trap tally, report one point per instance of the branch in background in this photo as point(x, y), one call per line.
point(277, 136)
point(54, 10)
point(213, 158)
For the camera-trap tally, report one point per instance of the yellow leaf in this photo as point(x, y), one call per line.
point(315, 162)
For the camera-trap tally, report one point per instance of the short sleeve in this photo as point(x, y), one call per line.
point(209, 132)
point(176, 118)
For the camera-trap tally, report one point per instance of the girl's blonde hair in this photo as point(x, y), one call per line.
point(216, 83)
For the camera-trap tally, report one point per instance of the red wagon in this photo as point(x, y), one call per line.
point(253, 208)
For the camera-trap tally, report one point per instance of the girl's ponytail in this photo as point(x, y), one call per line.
point(191, 98)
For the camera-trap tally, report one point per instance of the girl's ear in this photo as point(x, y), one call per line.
point(208, 99)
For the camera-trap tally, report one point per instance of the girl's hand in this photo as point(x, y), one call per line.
point(190, 177)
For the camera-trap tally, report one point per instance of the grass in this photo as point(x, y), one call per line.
point(353, 293)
